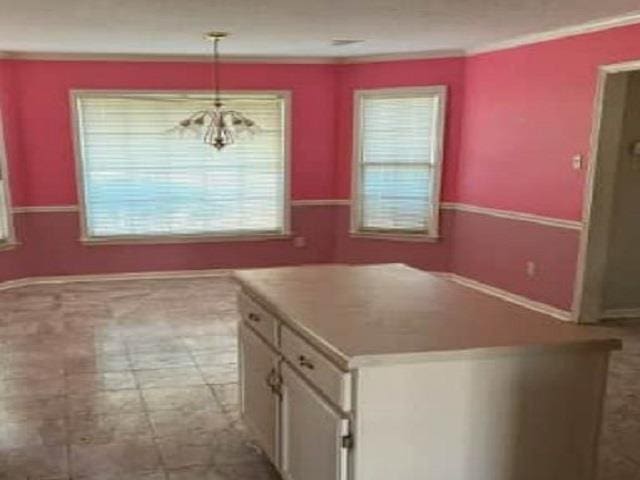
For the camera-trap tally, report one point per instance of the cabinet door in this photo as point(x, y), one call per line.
point(259, 404)
point(311, 433)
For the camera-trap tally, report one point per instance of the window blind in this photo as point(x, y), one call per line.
point(142, 179)
point(399, 161)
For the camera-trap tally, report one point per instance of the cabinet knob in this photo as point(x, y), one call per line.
point(305, 362)
point(270, 380)
point(254, 317)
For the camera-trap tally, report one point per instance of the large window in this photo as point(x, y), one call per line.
point(397, 161)
point(139, 179)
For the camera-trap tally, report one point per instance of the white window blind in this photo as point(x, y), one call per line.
point(399, 160)
point(139, 179)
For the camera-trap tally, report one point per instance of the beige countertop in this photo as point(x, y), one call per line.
point(359, 315)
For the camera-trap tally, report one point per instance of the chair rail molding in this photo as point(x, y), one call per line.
point(513, 215)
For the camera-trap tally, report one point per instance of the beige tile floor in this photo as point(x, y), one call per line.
point(620, 442)
point(122, 380)
point(137, 380)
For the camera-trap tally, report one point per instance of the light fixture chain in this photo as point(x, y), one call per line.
point(216, 72)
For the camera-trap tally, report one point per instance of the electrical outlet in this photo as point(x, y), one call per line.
point(531, 269)
point(299, 242)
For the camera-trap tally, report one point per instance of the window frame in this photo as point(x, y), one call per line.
point(432, 232)
point(10, 241)
point(76, 94)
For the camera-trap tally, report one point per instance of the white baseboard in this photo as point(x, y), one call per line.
point(620, 313)
point(112, 277)
point(468, 282)
point(510, 296)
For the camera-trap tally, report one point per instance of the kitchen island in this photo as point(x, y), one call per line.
point(387, 372)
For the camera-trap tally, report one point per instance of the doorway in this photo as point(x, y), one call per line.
point(608, 277)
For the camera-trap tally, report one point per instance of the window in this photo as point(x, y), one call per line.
point(5, 232)
point(398, 161)
point(6, 225)
point(141, 180)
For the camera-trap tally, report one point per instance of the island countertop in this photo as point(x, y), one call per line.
point(361, 315)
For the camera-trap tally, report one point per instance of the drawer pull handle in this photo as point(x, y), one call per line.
point(254, 317)
point(305, 362)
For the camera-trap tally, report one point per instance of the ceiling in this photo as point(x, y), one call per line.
point(285, 27)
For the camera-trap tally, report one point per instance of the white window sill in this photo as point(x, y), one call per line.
point(163, 240)
point(396, 236)
point(8, 245)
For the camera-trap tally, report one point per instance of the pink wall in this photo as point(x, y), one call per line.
point(34, 96)
point(496, 251)
point(527, 111)
point(51, 247)
point(40, 126)
point(515, 119)
point(449, 72)
point(408, 73)
point(9, 109)
point(37, 103)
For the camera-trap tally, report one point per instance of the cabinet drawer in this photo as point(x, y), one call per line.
point(323, 374)
point(258, 318)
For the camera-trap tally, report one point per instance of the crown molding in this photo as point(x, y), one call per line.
point(558, 33)
point(135, 57)
point(151, 57)
point(394, 57)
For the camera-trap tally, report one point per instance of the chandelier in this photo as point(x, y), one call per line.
point(217, 126)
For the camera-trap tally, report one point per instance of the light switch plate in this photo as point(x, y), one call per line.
point(577, 161)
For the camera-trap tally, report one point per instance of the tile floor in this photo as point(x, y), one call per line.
point(137, 380)
point(620, 441)
point(122, 380)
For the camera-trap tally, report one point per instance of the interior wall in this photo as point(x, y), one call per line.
point(39, 135)
point(34, 97)
point(12, 261)
point(42, 120)
point(516, 117)
point(446, 71)
point(622, 272)
point(527, 112)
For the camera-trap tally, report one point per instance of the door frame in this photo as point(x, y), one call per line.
point(597, 201)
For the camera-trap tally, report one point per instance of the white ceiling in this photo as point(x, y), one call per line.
point(284, 27)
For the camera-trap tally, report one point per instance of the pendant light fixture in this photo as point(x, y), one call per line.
point(218, 126)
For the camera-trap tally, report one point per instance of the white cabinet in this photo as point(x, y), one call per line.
point(394, 396)
point(312, 433)
point(298, 428)
point(259, 404)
